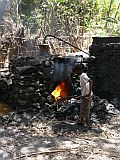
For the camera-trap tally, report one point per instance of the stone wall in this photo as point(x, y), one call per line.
point(106, 72)
point(34, 78)
point(30, 82)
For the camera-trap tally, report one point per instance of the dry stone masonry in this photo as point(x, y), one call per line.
point(30, 82)
point(106, 73)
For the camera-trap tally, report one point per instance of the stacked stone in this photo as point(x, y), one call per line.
point(29, 82)
point(23, 84)
point(4, 89)
point(106, 67)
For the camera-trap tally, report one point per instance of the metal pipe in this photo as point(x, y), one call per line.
point(64, 42)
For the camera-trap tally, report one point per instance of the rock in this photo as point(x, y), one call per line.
point(26, 70)
point(4, 155)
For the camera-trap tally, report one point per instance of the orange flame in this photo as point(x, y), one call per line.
point(60, 91)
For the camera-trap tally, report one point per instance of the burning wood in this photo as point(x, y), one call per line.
point(60, 91)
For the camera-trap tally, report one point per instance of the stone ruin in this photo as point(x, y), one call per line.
point(35, 74)
point(106, 72)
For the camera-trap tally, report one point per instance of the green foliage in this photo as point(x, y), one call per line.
point(58, 16)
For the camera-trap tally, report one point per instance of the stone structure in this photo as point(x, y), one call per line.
point(106, 67)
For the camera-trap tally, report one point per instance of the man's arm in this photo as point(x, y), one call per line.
point(90, 88)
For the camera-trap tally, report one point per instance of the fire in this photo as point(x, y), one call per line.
point(60, 91)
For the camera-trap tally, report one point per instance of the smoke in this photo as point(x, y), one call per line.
point(6, 25)
point(4, 7)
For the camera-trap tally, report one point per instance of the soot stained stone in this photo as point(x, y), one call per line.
point(30, 81)
point(106, 72)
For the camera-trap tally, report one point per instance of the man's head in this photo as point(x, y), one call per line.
point(78, 69)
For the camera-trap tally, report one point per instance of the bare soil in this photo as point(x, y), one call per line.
point(61, 140)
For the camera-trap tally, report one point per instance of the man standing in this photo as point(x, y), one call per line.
point(86, 95)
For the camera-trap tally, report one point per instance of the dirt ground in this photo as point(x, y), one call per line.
point(61, 140)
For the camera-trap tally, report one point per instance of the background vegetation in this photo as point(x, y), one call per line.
point(65, 17)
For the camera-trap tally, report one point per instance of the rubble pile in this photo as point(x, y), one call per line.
point(106, 66)
point(68, 111)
